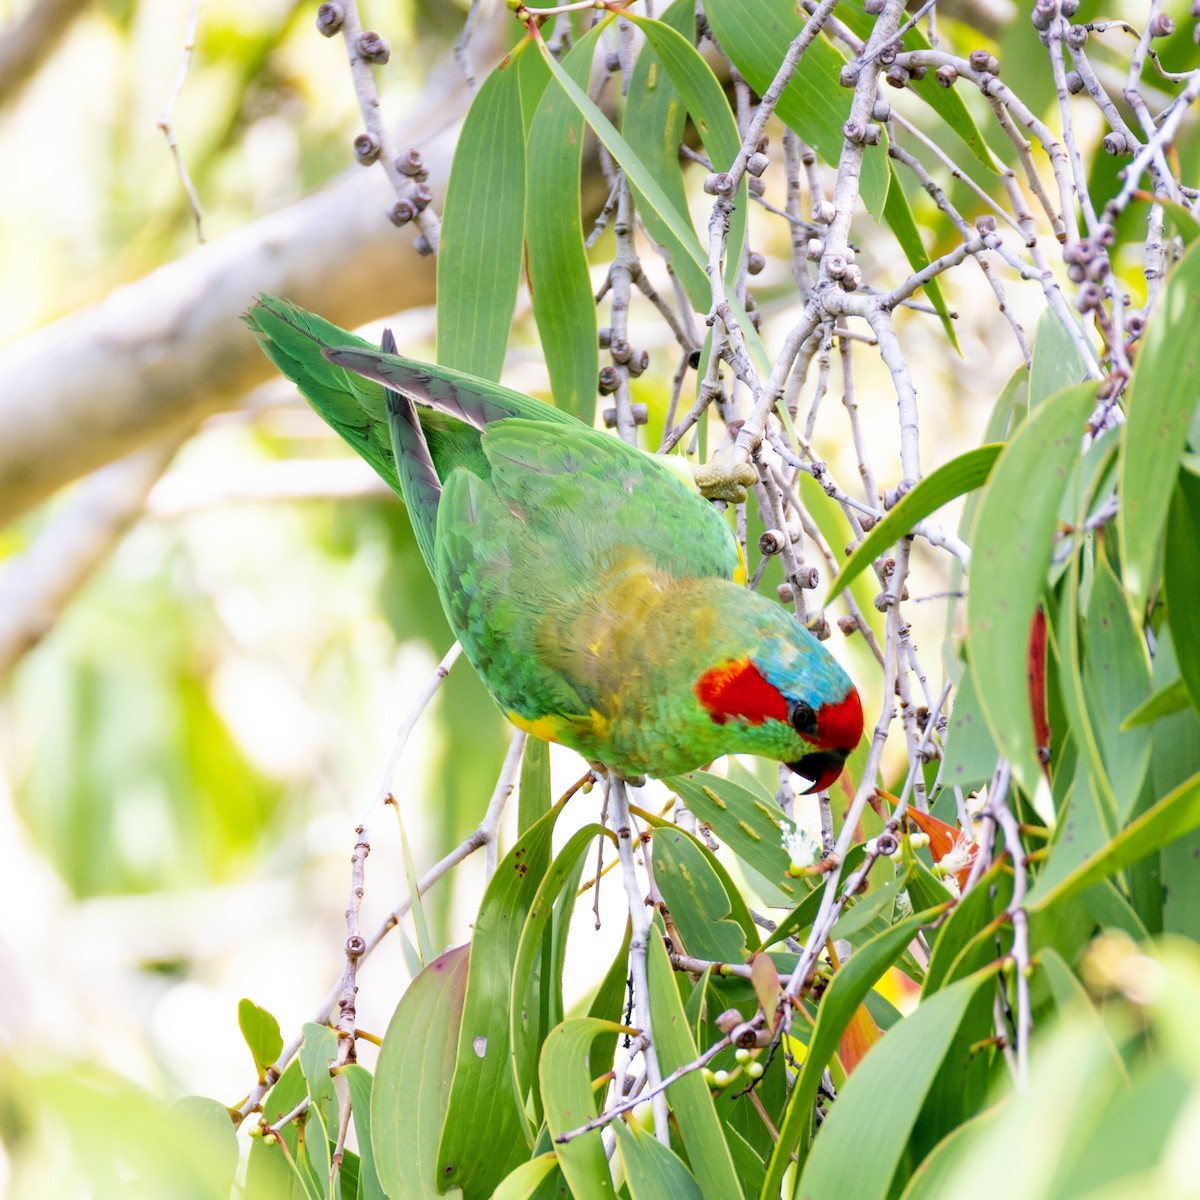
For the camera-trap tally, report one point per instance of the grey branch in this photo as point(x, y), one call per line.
point(37, 585)
point(157, 356)
point(30, 41)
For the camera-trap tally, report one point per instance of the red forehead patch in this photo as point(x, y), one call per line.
point(841, 723)
point(736, 689)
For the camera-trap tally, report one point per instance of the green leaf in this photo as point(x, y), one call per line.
point(566, 1073)
point(358, 1080)
point(654, 119)
point(704, 100)
point(1162, 399)
point(269, 1171)
point(317, 1053)
point(1185, 223)
point(1174, 816)
point(800, 918)
point(533, 797)
point(962, 474)
point(928, 1181)
point(483, 221)
point(536, 996)
point(262, 1035)
point(750, 825)
point(838, 1005)
point(1173, 698)
point(1028, 1147)
point(1013, 540)
point(1181, 579)
point(946, 102)
point(486, 1130)
point(420, 924)
point(559, 282)
point(756, 35)
point(899, 216)
point(696, 899)
point(652, 193)
point(1081, 832)
point(652, 1172)
point(1116, 679)
point(688, 1097)
point(1056, 361)
point(970, 754)
point(903, 1067)
point(205, 1124)
point(524, 1182)
point(412, 1080)
point(865, 912)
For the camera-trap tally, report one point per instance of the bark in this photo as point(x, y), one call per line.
point(158, 355)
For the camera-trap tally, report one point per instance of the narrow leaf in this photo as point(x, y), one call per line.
point(1174, 816)
point(525, 1181)
point(1056, 361)
point(359, 1081)
point(262, 1035)
point(1162, 399)
point(535, 1009)
point(412, 1080)
point(946, 102)
point(1181, 579)
point(838, 1005)
point(696, 899)
point(749, 824)
point(899, 216)
point(756, 35)
point(704, 99)
point(1173, 698)
point(688, 1097)
point(652, 193)
point(962, 474)
point(652, 1172)
point(559, 281)
point(903, 1067)
point(1014, 535)
point(479, 246)
point(567, 1071)
point(654, 120)
point(424, 938)
point(486, 1131)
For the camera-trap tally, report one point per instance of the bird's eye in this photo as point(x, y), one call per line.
point(802, 717)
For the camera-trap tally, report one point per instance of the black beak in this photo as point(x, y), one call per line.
point(822, 767)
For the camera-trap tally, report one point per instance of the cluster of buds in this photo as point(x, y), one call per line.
point(418, 197)
point(1088, 266)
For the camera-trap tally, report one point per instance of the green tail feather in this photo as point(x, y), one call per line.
point(355, 407)
point(357, 388)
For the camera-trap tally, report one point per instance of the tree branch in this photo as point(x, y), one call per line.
point(30, 41)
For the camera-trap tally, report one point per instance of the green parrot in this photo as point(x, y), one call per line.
point(592, 589)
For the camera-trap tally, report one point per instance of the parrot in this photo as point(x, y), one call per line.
point(593, 590)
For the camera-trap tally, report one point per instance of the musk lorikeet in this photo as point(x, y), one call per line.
point(591, 588)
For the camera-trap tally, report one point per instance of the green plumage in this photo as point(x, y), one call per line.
point(590, 586)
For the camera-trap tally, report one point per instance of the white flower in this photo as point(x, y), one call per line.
point(959, 856)
point(803, 849)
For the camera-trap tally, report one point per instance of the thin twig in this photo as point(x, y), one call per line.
point(166, 125)
point(640, 932)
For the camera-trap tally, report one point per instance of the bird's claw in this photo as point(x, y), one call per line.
point(724, 479)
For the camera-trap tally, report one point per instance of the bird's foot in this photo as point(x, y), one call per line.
point(602, 771)
point(724, 479)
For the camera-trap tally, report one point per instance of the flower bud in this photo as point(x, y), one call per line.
point(373, 48)
point(330, 18)
point(366, 149)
